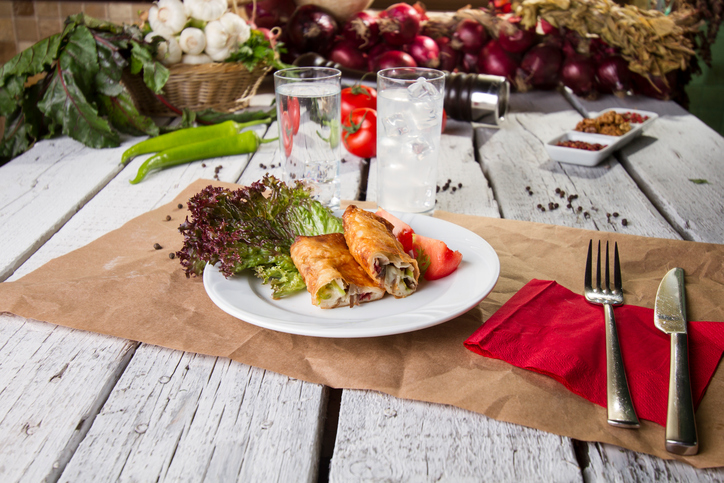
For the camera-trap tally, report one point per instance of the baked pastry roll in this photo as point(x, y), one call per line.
point(372, 244)
point(332, 276)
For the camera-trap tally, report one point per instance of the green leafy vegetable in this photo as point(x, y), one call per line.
point(258, 49)
point(243, 229)
point(699, 181)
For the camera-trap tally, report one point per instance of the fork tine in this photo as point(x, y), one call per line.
point(616, 268)
point(589, 269)
point(608, 283)
point(598, 267)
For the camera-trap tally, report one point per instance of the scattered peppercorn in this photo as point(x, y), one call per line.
point(539, 206)
point(624, 222)
point(460, 185)
point(156, 246)
point(172, 255)
point(437, 189)
point(180, 206)
point(453, 189)
point(569, 206)
point(586, 214)
point(580, 209)
point(558, 190)
point(203, 165)
point(615, 214)
point(168, 217)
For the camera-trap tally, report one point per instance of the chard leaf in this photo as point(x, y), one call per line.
point(155, 74)
point(31, 61)
point(11, 94)
point(124, 116)
point(15, 139)
point(110, 63)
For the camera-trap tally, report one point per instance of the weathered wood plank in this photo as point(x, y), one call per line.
point(382, 438)
point(42, 188)
point(54, 380)
point(117, 203)
point(514, 158)
point(674, 150)
point(177, 416)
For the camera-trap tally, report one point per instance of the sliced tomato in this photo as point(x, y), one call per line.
point(401, 230)
point(357, 97)
point(360, 133)
point(287, 133)
point(442, 260)
point(444, 120)
point(294, 113)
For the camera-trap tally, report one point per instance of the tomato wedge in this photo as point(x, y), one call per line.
point(294, 112)
point(287, 133)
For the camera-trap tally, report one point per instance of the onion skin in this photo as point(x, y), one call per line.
point(470, 36)
point(425, 51)
point(449, 57)
point(469, 63)
point(399, 24)
point(348, 55)
point(362, 30)
point(614, 76)
point(312, 29)
point(494, 60)
point(541, 65)
point(514, 39)
point(579, 74)
point(393, 58)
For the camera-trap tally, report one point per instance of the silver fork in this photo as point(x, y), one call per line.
point(621, 412)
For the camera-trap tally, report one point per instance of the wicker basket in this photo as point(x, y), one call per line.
point(222, 86)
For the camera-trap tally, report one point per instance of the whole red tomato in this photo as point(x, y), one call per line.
point(356, 97)
point(293, 108)
point(360, 132)
point(287, 133)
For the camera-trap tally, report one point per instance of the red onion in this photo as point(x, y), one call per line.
point(374, 53)
point(425, 51)
point(613, 75)
point(579, 74)
point(656, 87)
point(541, 65)
point(469, 63)
point(362, 30)
point(495, 60)
point(470, 36)
point(348, 55)
point(547, 28)
point(514, 39)
point(399, 24)
point(270, 13)
point(312, 29)
point(393, 58)
point(449, 57)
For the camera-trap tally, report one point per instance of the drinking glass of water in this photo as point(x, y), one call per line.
point(308, 116)
point(409, 124)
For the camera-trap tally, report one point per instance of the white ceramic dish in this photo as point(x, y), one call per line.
point(612, 143)
point(245, 298)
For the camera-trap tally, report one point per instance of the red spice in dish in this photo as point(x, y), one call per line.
point(634, 117)
point(581, 145)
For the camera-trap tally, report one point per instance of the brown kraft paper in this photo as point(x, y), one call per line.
point(120, 286)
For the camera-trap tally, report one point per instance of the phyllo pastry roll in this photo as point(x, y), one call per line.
point(332, 276)
point(372, 244)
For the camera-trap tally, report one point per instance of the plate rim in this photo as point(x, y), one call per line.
point(274, 323)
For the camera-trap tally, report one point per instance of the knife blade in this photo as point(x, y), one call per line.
point(670, 318)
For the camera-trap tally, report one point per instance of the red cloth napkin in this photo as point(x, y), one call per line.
point(548, 329)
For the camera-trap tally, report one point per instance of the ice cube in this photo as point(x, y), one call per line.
point(421, 89)
point(421, 147)
point(395, 125)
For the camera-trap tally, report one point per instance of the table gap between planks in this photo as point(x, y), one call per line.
point(73, 399)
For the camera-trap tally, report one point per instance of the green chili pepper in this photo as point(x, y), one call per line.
point(187, 136)
point(242, 143)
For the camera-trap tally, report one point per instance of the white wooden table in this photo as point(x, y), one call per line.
point(77, 406)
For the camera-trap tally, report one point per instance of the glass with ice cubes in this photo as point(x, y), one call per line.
point(308, 117)
point(409, 124)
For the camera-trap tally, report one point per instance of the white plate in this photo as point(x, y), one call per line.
point(434, 302)
point(612, 143)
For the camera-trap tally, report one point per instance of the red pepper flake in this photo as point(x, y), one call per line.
point(634, 117)
point(581, 145)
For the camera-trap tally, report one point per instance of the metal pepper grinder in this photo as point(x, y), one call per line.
point(468, 97)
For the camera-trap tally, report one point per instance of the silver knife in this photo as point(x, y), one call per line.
point(670, 317)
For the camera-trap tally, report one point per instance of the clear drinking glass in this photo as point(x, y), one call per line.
point(308, 116)
point(409, 124)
